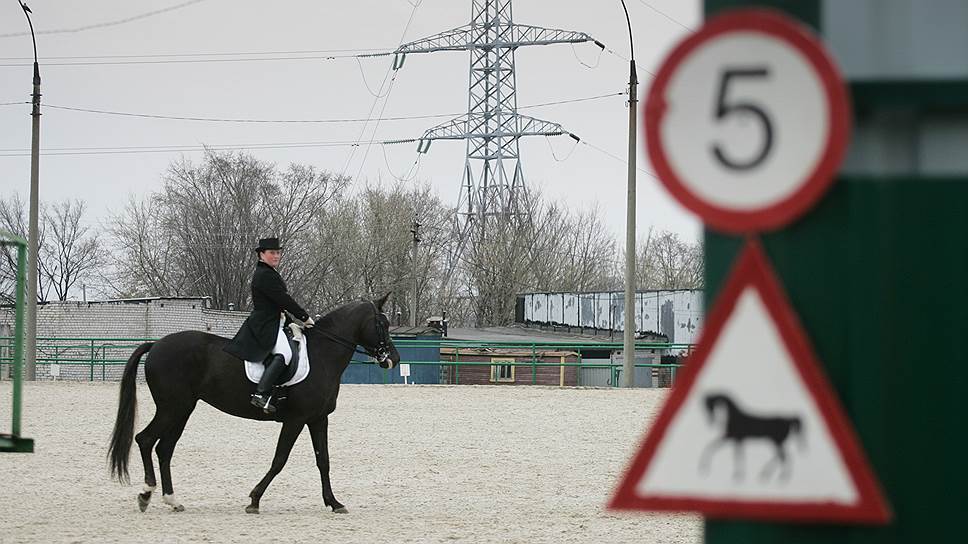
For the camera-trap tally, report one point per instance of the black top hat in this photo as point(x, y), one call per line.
point(268, 243)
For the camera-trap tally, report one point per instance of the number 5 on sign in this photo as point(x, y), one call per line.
point(747, 121)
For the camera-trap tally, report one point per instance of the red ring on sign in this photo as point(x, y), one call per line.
point(782, 212)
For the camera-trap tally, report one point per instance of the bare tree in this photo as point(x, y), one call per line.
point(14, 221)
point(547, 248)
point(196, 236)
point(579, 253)
point(365, 242)
point(145, 261)
point(667, 262)
point(69, 251)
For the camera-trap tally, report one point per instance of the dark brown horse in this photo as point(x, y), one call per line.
point(189, 366)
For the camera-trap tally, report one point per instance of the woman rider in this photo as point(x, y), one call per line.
point(261, 338)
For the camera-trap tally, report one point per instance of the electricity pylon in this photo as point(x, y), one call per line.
point(492, 184)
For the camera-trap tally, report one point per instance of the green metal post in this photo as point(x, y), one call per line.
point(18, 341)
point(457, 366)
point(534, 367)
point(578, 369)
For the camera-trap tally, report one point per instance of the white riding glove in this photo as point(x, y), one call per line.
point(309, 323)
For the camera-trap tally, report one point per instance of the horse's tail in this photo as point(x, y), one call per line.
point(123, 433)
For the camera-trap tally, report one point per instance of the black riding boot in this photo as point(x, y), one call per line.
point(263, 391)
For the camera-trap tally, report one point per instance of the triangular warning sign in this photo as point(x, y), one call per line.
point(753, 429)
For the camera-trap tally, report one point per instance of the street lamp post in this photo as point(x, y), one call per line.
point(628, 370)
point(415, 230)
point(30, 359)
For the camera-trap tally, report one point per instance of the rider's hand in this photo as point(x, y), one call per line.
point(309, 323)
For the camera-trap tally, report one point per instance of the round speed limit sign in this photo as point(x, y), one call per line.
point(747, 121)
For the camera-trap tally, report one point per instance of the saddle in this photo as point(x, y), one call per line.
point(293, 373)
point(290, 368)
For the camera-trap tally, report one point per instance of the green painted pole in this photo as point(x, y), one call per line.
point(18, 340)
point(534, 368)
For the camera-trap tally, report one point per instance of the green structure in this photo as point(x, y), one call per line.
point(13, 442)
point(877, 270)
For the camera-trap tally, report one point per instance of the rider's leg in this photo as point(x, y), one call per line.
point(277, 365)
point(264, 389)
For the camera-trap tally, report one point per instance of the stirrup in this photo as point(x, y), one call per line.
point(260, 401)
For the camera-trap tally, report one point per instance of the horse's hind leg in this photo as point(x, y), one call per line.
point(165, 450)
point(780, 459)
point(146, 440)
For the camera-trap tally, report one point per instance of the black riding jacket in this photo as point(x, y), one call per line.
point(257, 336)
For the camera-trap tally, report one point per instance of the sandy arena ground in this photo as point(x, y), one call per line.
point(417, 464)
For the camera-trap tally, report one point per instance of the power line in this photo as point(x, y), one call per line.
point(359, 138)
point(216, 54)
point(181, 61)
point(106, 23)
point(304, 121)
point(171, 148)
point(667, 16)
point(616, 157)
point(53, 151)
point(611, 51)
point(235, 120)
point(239, 147)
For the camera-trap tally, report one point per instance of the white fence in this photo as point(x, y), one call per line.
point(678, 314)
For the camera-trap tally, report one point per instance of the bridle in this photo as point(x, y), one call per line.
point(381, 351)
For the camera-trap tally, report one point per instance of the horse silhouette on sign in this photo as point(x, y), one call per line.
point(740, 426)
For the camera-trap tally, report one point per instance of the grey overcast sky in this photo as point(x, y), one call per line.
point(153, 58)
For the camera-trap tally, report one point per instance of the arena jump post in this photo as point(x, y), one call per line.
point(13, 442)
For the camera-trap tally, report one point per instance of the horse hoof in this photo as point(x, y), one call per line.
point(178, 508)
point(251, 509)
point(143, 501)
point(341, 510)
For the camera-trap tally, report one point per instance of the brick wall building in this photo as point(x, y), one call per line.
point(90, 340)
point(502, 366)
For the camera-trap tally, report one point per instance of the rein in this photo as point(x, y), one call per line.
point(380, 352)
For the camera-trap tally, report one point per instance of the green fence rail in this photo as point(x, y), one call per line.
point(14, 442)
point(103, 358)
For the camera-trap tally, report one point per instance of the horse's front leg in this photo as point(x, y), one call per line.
point(287, 437)
point(318, 430)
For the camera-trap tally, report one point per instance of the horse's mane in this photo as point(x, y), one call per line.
point(335, 316)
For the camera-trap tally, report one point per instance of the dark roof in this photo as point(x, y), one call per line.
point(528, 334)
point(406, 331)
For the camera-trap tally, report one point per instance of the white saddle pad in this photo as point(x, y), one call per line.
point(254, 371)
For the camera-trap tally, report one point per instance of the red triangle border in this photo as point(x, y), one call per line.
point(753, 269)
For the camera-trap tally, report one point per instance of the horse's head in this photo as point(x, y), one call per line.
point(374, 335)
point(712, 401)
